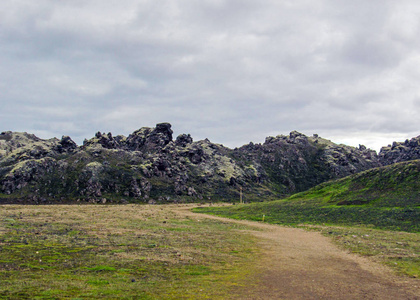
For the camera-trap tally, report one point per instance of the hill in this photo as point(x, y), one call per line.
point(386, 197)
point(151, 166)
point(396, 185)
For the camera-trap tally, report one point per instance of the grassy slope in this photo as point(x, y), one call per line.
point(386, 198)
point(118, 252)
point(396, 185)
point(372, 206)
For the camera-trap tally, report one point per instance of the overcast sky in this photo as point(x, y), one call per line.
point(232, 71)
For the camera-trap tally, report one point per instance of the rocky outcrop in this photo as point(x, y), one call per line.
point(18, 146)
point(149, 166)
point(66, 145)
point(152, 139)
point(296, 162)
point(399, 152)
point(26, 172)
point(183, 140)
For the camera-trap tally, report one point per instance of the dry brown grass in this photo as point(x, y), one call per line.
point(107, 251)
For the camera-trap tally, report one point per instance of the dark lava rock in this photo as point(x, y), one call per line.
point(160, 136)
point(66, 145)
point(183, 140)
point(399, 152)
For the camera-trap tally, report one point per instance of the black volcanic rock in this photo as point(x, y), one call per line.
point(398, 152)
point(296, 162)
point(65, 145)
point(155, 138)
point(137, 139)
point(183, 140)
point(160, 136)
point(149, 166)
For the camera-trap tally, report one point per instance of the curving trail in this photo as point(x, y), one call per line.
point(297, 264)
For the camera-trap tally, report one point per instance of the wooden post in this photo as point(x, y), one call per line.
point(240, 195)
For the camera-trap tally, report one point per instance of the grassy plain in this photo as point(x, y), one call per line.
point(124, 252)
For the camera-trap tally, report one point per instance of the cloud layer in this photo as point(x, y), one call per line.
point(232, 71)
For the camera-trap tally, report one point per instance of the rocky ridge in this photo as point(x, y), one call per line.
point(151, 166)
point(399, 152)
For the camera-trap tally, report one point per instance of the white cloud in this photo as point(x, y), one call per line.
point(230, 70)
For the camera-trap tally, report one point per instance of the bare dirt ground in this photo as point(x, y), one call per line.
point(297, 264)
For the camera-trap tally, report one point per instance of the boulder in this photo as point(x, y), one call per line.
point(183, 140)
point(65, 145)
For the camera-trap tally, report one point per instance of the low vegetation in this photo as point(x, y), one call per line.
point(124, 252)
point(397, 249)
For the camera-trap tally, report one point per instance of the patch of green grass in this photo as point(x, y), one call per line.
point(397, 185)
point(288, 212)
point(98, 281)
point(199, 270)
point(101, 268)
point(124, 252)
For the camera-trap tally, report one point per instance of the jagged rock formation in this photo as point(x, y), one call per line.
point(398, 152)
point(150, 166)
point(296, 162)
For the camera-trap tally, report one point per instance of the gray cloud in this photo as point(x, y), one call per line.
point(233, 71)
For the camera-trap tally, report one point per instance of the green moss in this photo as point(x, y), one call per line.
point(94, 165)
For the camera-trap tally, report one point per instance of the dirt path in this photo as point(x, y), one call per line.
point(297, 264)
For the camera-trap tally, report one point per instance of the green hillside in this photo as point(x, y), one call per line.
point(386, 198)
point(396, 185)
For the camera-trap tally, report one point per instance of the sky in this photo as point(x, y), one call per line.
point(232, 71)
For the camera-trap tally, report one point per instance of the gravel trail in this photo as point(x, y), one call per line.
point(297, 264)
